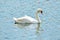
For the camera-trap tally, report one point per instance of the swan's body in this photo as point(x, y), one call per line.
point(28, 19)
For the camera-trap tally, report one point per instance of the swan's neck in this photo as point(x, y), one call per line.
point(37, 17)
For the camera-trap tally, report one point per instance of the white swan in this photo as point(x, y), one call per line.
point(28, 19)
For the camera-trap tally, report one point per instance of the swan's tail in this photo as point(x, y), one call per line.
point(14, 18)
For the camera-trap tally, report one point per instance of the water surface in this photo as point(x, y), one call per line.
point(17, 8)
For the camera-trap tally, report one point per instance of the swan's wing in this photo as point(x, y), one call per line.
point(22, 20)
point(31, 19)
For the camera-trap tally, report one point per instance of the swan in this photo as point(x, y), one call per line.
point(28, 19)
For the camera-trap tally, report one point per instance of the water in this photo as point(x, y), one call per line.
point(18, 8)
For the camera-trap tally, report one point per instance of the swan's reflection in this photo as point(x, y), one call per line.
point(23, 25)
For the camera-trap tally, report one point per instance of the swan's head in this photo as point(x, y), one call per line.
point(39, 10)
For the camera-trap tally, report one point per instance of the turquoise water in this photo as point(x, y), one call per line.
point(18, 8)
